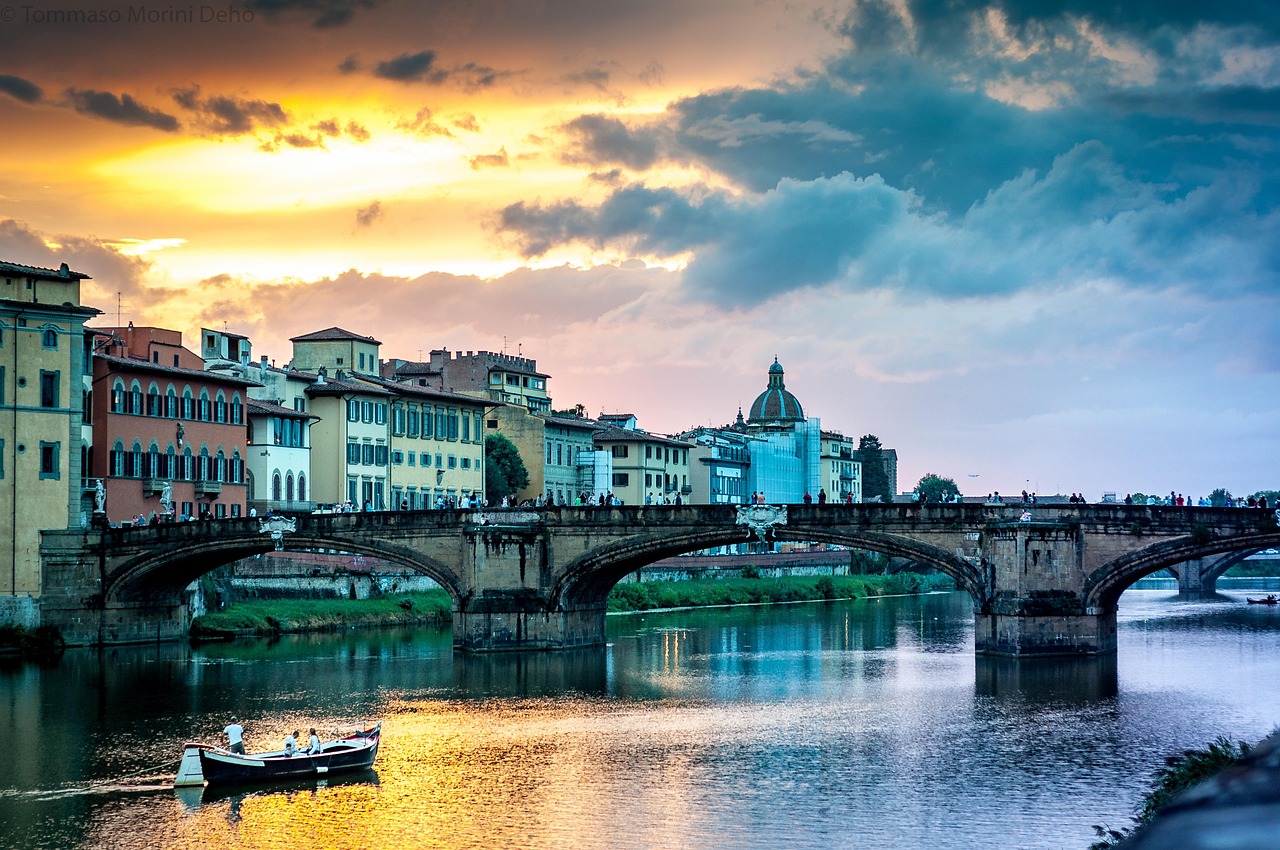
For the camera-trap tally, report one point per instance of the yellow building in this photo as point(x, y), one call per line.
point(42, 402)
point(437, 446)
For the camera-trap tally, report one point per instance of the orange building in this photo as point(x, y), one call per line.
point(162, 425)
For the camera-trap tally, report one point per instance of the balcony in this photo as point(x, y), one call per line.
point(208, 488)
point(152, 485)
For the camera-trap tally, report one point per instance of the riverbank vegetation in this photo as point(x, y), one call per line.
point(1179, 773)
point(40, 642)
point(699, 593)
point(279, 616)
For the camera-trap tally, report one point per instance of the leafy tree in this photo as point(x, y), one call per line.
point(933, 487)
point(1272, 496)
point(1219, 498)
point(875, 480)
point(504, 471)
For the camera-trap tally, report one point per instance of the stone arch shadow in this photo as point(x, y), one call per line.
point(1103, 587)
point(587, 580)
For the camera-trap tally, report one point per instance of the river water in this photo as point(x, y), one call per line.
point(862, 724)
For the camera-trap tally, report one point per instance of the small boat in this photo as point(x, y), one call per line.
point(202, 763)
point(1269, 599)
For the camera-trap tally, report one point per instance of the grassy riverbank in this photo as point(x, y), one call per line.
point(277, 616)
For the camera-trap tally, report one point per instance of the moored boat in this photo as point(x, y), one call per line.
point(202, 763)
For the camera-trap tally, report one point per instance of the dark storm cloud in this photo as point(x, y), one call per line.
point(232, 116)
point(323, 13)
point(411, 68)
point(600, 140)
point(490, 160)
point(121, 109)
point(366, 216)
point(23, 90)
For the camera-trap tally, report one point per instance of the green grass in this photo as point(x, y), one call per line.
point(696, 593)
point(273, 616)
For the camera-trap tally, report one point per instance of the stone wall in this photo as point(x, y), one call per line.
point(19, 611)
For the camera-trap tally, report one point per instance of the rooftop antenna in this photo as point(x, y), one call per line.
point(520, 349)
point(504, 343)
point(117, 308)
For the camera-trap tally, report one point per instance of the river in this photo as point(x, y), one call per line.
point(853, 724)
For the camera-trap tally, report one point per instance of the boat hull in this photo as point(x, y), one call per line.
point(220, 767)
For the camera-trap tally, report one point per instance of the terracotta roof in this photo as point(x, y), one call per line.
point(572, 422)
point(63, 273)
point(627, 435)
point(270, 408)
point(428, 392)
point(159, 368)
point(335, 386)
point(334, 333)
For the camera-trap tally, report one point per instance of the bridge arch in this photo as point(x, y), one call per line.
point(1103, 587)
point(587, 580)
point(161, 576)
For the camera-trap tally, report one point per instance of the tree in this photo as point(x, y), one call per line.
point(1219, 498)
point(933, 487)
point(504, 471)
point(875, 480)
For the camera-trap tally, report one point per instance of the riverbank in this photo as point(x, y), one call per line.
point(283, 616)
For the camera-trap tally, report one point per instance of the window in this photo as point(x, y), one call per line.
point(466, 463)
point(49, 453)
point(302, 487)
point(366, 454)
point(362, 361)
point(466, 428)
point(171, 404)
point(237, 415)
point(648, 480)
point(453, 461)
point(220, 408)
point(412, 458)
point(288, 487)
point(427, 422)
point(413, 421)
point(237, 469)
point(353, 452)
point(619, 451)
point(397, 458)
point(49, 339)
point(648, 452)
point(275, 487)
point(235, 511)
point(188, 405)
point(154, 403)
point(366, 411)
point(135, 399)
point(380, 414)
point(204, 406)
point(48, 389)
point(426, 459)
point(380, 455)
point(353, 411)
point(439, 460)
point(453, 424)
point(398, 416)
point(300, 404)
point(621, 479)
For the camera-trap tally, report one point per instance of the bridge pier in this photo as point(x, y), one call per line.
point(513, 621)
point(1024, 635)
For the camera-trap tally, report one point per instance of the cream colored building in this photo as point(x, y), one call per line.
point(648, 469)
point(43, 371)
point(841, 471)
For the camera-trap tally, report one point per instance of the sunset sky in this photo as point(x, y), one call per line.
point(1028, 244)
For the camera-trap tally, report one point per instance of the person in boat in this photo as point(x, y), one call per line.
point(313, 745)
point(291, 743)
point(235, 736)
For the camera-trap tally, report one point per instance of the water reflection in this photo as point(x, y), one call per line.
point(799, 726)
point(1039, 681)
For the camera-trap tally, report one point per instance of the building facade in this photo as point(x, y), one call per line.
point(163, 427)
point(841, 469)
point(648, 469)
point(42, 448)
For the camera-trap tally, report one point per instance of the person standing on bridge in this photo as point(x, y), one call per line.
point(235, 736)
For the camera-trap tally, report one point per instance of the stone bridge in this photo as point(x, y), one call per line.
point(1044, 580)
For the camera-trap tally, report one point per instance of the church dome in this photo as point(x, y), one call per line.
point(776, 406)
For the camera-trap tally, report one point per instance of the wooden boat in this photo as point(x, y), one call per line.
point(202, 763)
point(1269, 599)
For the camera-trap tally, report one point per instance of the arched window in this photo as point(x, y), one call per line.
point(302, 487)
point(151, 467)
point(237, 410)
point(220, 407)
point(171, 403)
point(153, 401)
point(275, 487)
point(118, 402)
point(237, 468)
point(135, 461)
point(205, 412)
point(220, 466)
point(204, 472)
point(188, 465)
point(250, 492)
point(188, 404)
point(171, 463)
point(49, 339)
point(288, 487)
point(116, 460)
point(135, 398)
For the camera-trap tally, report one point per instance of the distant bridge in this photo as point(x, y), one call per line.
point(1043, 583)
